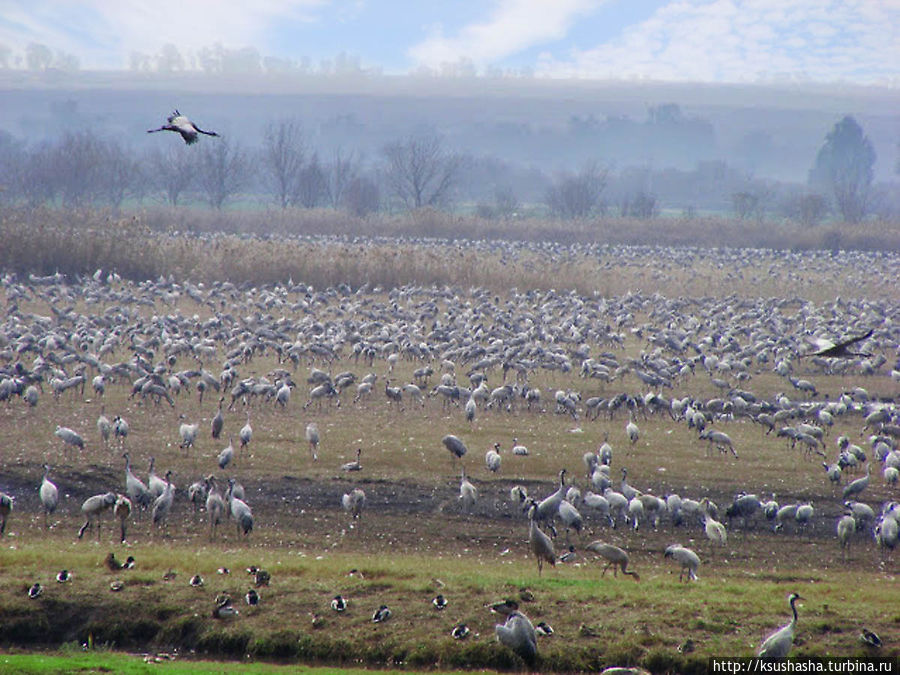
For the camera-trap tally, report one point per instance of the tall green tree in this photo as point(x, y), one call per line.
point(844, 168)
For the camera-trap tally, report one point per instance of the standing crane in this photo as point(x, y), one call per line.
point(245, 434)
point(49, 495)
point(163, 504)
point(181, 124)
point(312, 437)
point(778, 644)
point(122, 511)
point(541, 545)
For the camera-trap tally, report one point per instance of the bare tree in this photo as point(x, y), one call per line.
point(312, 184)
point(577, 195)
point(38, 183)
point(640, 205)
point(362, 196)
point(79, 167)
point(283, 156)
point(223, 170)
point(807, 208)
point(172, 171)
point(340, 173)
point(12, 159)
point(419, 171)
point(120, 173)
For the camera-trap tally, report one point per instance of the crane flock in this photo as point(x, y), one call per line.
point(536, 337)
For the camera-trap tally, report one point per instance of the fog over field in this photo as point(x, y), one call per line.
point(768, 131)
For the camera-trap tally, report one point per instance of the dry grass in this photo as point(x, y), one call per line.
point(150, 245)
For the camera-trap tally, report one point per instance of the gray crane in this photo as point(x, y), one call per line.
point(93, 508)
point(49, 495)
point(541, 545)
point(135, 489)
point(6, 506)
point(215, 506)
point(856, 487)
point(155, 485)
point(312, 437)
point(218, 421)
point(69, 437)
point(227, 455)
point(182, 125)
point(245, 434)
point(240, 511)
point(778, 644)
point(188, 434)
point(163, 504)
point(517, 632)
point(846, 526)
point(353, 502)
point(104, 427)
point(122, 511)
point(468, 494)
point(456, 447)
point(492, 459)
point(615, 557)
point(685, 557)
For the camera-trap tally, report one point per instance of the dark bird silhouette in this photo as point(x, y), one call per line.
point(839, 350)
point(182, 125)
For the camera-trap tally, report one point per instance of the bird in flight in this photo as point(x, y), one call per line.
point(840, 350)
point(180, 123)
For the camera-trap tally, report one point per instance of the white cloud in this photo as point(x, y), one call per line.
point(103, 33)
point(513, 25)
point(745, 41)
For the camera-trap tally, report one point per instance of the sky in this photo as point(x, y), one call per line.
point(715, 41)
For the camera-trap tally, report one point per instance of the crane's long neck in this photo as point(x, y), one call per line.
point(794, 610)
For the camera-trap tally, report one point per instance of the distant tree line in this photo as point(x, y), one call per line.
point(83, 168)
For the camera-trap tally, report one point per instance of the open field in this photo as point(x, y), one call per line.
point(413, 539)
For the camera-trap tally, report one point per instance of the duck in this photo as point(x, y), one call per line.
point(252, 598)
point(381, 614)
point(223, 570)
point(224, 609)
point(439, 602)
point(460, 631)
point(170, 575)
point(869, 638)
point(569, 556)
point(262, 578)
point(129, 563)
point(112, 563)
point(35, 591)
point(686, 647)
point(317, 620)
point(196, 581)
point(64, 576)
point(338, 604)
point(543, 628)
point(354, 465)
point(116, 586)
